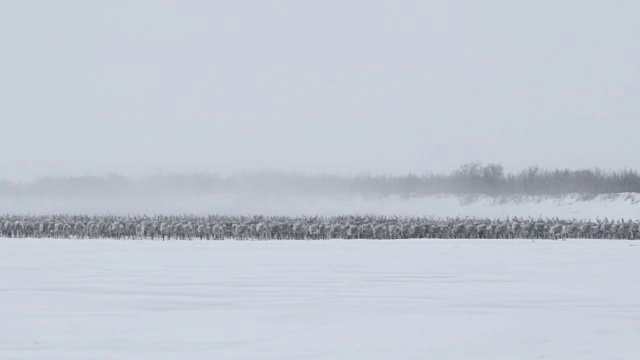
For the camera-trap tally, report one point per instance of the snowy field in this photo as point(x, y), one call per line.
point(569, 206)
point(413, 299)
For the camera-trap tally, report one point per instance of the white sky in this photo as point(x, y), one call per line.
point(323, 86)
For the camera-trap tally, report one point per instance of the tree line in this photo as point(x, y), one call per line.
point(469, 179)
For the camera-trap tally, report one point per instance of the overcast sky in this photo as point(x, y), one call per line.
point(325, 86)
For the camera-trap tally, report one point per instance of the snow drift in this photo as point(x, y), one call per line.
point(613, 206)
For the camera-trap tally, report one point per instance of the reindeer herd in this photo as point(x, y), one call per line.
point(188, 227)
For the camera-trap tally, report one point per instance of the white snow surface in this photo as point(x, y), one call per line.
point(338, 299)
point(568, 206)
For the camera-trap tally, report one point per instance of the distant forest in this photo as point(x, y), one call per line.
point(471, 178)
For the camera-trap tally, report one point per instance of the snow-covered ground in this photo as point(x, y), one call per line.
point(417, 299)
point(569, 206)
